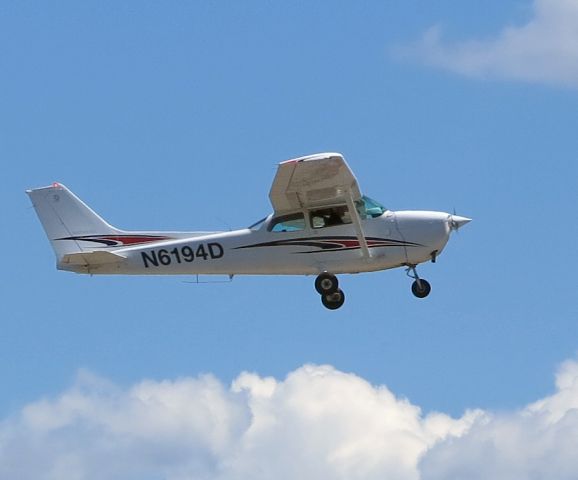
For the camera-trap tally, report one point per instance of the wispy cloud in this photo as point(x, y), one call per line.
point(544, 50)
point(318, 423)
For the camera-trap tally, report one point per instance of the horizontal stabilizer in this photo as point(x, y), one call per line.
point(89, 259)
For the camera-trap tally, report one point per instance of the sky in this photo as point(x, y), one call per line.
point(173, 115)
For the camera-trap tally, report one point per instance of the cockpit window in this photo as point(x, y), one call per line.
point(288, 223)
point(369, 208)
point(257, 225)
point(330, 217)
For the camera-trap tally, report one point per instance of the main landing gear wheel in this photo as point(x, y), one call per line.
point(326, 283)
point(420, 291)
point(334, 300)
point(327, 286)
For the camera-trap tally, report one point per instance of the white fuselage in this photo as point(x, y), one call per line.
point(393, 239)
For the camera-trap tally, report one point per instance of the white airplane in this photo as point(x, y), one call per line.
point(321, 225)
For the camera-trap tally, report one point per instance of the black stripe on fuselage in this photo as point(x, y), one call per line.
point(331, 244)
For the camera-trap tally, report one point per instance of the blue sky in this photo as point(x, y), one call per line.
point(174, 115)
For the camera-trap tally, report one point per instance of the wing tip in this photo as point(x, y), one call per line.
point(314, 156)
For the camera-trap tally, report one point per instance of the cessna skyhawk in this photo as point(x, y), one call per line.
point(321, 225)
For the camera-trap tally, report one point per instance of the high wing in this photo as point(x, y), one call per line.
point(313, 181)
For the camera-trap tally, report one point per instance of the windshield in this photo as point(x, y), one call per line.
point(369, 208)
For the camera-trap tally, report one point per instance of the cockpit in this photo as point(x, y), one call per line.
point(366, 207)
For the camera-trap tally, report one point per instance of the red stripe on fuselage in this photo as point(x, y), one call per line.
point(132, 239)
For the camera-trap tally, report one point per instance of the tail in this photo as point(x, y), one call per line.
point(71, 226)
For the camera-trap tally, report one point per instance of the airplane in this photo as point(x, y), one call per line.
point(321, 225)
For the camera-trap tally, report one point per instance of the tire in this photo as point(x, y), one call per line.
point(326, 283)
point(423, 291)
point(334, 300)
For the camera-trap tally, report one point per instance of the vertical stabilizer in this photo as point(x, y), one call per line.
point(67, 220)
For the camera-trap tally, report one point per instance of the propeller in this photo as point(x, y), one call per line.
point(455, 222)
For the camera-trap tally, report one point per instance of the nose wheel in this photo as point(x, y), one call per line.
point(420, 287)
point(327, 285)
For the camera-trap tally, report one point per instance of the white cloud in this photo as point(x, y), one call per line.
point(544, 50)
point(318, 423)
point(538, 442)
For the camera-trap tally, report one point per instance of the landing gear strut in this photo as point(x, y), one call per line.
point(327, 285)
point(420, 287)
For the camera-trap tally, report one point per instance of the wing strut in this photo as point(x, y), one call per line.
point(357, 224)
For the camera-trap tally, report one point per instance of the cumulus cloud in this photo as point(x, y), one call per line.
point(543, 50)
point(539, 441)
point(318, 423)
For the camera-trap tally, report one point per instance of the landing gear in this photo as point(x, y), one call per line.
point(420, 287)
point(420, 291)
point(327, 285)
point(334, 300)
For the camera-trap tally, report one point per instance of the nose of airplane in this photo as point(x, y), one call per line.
point(456, 222)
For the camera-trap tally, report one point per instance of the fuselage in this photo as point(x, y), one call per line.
point(393, 239)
